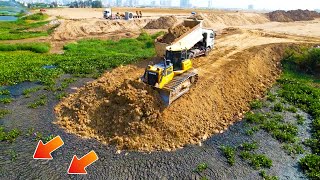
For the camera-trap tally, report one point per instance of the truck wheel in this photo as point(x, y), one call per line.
point(191, 56)
point(207, 51)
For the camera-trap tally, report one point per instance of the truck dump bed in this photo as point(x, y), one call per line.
point(186, 41)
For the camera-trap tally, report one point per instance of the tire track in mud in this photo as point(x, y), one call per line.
point(244, 64)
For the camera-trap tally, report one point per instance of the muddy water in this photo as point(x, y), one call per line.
point(131, 165)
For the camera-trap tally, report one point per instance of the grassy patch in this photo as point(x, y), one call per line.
point(271, 97)
point(292, 109)
point(300, 88)
point(293, 149)
point(9, 136)
point(33, 47)
point(249, 146)
point(4, 112)
point(13, 155)
point(87, 58)
point(229, 153)
point(61, 95)
point(278, 107)
point(256, 104)
point(257, 161)
point(38, 102)
point(300, 119)
point(201, 167)
point(36, 17)
point(264, 175)
point(27, 92)
point(6, 100)
point(4, 92)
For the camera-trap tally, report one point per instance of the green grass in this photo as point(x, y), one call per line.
point(292, 109)
point(300, 119)
point(27, 92)
point(36, 17)
point(21, 29)
point(300, 88)
point(9, 136)
point(4, 112)
point(278, 107)
point(41, 101)
point(33, 47)
point(271, 97)
point(87, 58)
point(293, 149)
point(256, 104)
point(229, 153)
point(13, 154)
point(201, 167)
point(61, 95)
point(256, 161)
point(4, 92)
point(6, 100)
point(264, 175)
point(249, 146)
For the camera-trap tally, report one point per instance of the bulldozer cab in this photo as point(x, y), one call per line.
point(176, 58)
point(159, 74)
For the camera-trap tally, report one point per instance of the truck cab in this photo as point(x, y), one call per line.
point(107, 13)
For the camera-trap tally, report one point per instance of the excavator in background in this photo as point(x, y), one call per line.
point(174, 76)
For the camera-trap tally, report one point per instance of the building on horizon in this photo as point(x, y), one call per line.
point(185, 4)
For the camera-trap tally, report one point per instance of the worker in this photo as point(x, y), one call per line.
point(140, 14)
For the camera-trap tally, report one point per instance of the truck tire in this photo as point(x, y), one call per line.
point(191, 56)
point(207, 51)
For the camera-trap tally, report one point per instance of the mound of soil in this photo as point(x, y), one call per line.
point(162, 23)
point(293, 15)
point(174, 33)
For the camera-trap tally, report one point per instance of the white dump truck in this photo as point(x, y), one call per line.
point(197, 41)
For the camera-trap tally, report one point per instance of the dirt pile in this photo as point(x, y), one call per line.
point(293, 15)
point(162, 23)
point(117, 109)
point(73, 29)
point(174, 33)
point(222, 20)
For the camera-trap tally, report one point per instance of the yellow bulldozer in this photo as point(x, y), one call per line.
point(174, 76)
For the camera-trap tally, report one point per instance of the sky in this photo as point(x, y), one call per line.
point(259, 4)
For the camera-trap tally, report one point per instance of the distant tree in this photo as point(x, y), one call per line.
point(96, 4)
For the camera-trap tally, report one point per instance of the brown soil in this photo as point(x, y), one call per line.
point(118, 109)
point(174, 33)
point(293, 15)
point(162, 23)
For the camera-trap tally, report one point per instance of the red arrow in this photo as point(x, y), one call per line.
point(43, 151)
point(77, 166)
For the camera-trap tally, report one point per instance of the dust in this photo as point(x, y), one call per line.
point(293, 15)
point(162, 23)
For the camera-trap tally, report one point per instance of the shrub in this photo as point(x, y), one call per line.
point(278, 107)
point(256, 104)
point(249, 146)
point(201, 167)
point(229, 153)
point(256, 160)
point(33, 47)
point(311, 165)
point(36, 17)
point(264, 175)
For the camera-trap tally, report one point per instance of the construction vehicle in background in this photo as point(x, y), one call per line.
point(107, 14)
point(175, 75)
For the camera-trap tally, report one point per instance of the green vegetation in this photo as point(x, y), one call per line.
point(36, 17)
point(278, 107)
point(4, 92)
point(4, 112)
point(282, 131)
point(300, 88)
point(30, 132)
point(9, 136)
point(271, 97)
point(257, 161)
point(27, 92)
point(256, 104)
point(201, 167)
point(293, 149)
point(48, 138)
point(60, 96)
point(300, 119)
point(13, 154)
point(229, 153)
point(33, 47)
point(264, 175)
point(65, 83)
point(249, 146)
point(292, 109)
point(41, 101)
point(18, 66)
point(311, 165)
point(6, 100)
